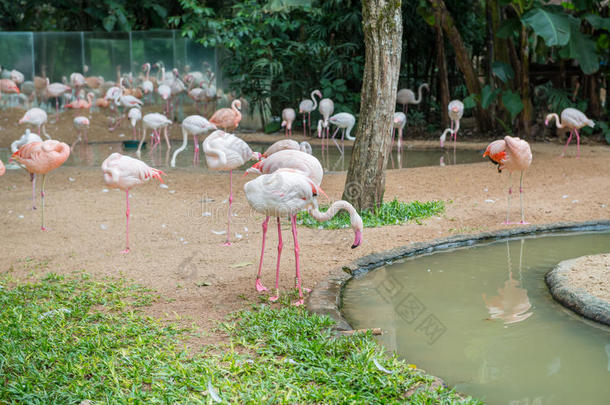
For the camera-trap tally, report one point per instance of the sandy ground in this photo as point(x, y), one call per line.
point(592, 274)
point(176, 252)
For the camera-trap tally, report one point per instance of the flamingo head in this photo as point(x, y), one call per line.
point(145, 66)
point(317, 93)
point(455, 109)
point(13, 88)
point(357, 238)
point(175, 72)
point(283, 124)
point(256, 168)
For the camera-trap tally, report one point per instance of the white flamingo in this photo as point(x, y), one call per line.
point(308, 106)
point(574, 120)
point(285, 144)
point(345, 122)
point(155, 122)
point(326, 108)
point(38, 117)
point(134, 115)
point(193, 125)
point(288, 117)
point(398, 123)
point(82, 125)
point(456, 111)
point(406, 96)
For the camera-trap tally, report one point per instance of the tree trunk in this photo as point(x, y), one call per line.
point(443, 81)
point(382, 26)
point(463, 60)
point(528, 108)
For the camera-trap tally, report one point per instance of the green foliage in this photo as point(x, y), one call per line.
point(512, 102)
point(392, 213)
point(553, 27)
point(70, 340)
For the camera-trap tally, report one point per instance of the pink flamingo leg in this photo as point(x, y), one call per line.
point(521, 200)
point(44, 177)
point(258, 285)
point(56, 109)
point(510, 191)
point(33, 180)
point(196, 157)
point(577, 143)
point(567, 143)
point(127, 229)
point(309, 123)
point(304, 125)
point(293, 220)
point(280, 244)
point(134, 133)
point(228, 242)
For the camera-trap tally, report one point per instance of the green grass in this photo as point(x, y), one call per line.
point(392, 213)
point(98, 347)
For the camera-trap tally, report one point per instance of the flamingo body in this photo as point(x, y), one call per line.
point(194, 125)
point(227, 118)
point(572, 119)
point(296, 160)
point(285, 144)
point(288, 117)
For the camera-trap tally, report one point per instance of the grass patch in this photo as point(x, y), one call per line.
point(55, 347)
point(391, 213)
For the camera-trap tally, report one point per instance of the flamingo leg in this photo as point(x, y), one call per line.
point(293, 220)
point(44, 177)
point(134, 133)
point(521, 199)
point(577, 143)
point(127, 228)
point(85, 135)
point(567, 143)
point(304, 125)
point(33, 180)
point(228, 242)
point(510, 191)
point(165, 132)
point(258, 285)
point(392, 147)
point(334, 140)
point(280, 244)
point(309, 124)
point(196, 157)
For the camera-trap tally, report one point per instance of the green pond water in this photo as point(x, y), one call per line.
point(482, 318)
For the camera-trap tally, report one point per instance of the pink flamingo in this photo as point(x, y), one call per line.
point(308, 106)
point(82, 103)
point(228, 118)
point(344, 122)
point(134, 116)
point(302, 162)
point(56, 90)
point(8, 86)
point(197, 94)
point(156, 122)
point(193, 125)
point(2, 168)
point(456, 111)
point(26, 138)
point(224, 151)
point(288, 117)
point(326, 108)
point(124, 172)
point(165, 92)
point(511, 154)
point(82, 125)
point(406, 97)
point(37, 117)
point(41, 158)
point(147, 85)
point(398, 124)
point(287, 192)
point(287, 144)
point(574, 120)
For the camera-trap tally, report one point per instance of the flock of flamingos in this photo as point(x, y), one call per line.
point(289, 175)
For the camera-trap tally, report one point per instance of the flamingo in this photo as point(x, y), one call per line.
point(345, 122)
point(511, 154)
point(302, 162)
point(574, 120)
point(41, 158)
point(307, 106)
point(125, 101)
point(2, 168)
point(134, 116)
point(228, 118)
point(82, 103)
point(287, 144)
point(155, 121)
point(82, 125)
point(398, 124)
point(8, 86)
point(288, 117)
point(197, 94)
point(36, 116)
point(456, 111)
point(224, 151)
point(406, 96)
point(287, 192)
point(124, 172)
point(193, 125)
point(56, 90)
point(26, 138)
point(165, 92)
point(17, 77)
point(147, 84)
point(326, 108)
point(77, 80)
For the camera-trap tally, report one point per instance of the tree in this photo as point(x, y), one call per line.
point(382, 26)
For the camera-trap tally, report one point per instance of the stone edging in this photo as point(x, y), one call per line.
point(576, 299)
point(325, 299)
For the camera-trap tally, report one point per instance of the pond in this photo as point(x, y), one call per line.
point(482, 318)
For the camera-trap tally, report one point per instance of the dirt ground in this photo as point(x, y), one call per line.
point(176, 248)
point(592, 274)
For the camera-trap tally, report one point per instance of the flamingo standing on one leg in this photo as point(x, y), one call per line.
point(41, 158)
point(125, 172)
point(56, 90)
point(574, 120)
point(326, 108)
point(224, 151)
point(37, 117)
point(156, 122)
point(193, 125)
point(511, 154)
point(26, 138)
point(134, 115)
point(406, 96)
point(287, 192)
point(285, 144)
point(288, 117)
point(308, 106)
point(228, 118)
point(82, 125)
point(345, 122)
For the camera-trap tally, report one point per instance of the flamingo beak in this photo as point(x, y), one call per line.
point(546, 123)
point(454, 109)
point(357, 239)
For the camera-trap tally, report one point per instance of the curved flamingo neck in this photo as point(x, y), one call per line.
point(315, 102)
point(558, 123)
point(419, 93)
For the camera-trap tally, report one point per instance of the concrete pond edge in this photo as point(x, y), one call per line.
point(325, 299)
point(575, 299)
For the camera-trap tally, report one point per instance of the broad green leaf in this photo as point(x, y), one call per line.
point(512, 102)
point(582, 48)
point(503, 71)
point(109, 22)
point(488, 96)
point(508, 28)
point(553, 27)
point(598, 22)
point(470, 101)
